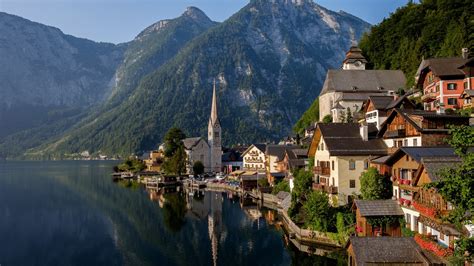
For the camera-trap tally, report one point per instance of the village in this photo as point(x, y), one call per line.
point(363, 177)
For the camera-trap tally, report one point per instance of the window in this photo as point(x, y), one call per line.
point(415, 223)
point(452, 86)
point(408, 219)
point(332, 165)
point(452, 101)
point(352, 183)
point(322, 146)
point(437, 88)
point(415, 142)
point(366, 164)
point(441, 236)
point(407, 157)
point(216, 134)
point(352, 165)
point(465, 85)
point(405, 142)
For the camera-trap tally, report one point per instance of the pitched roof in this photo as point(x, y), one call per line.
point(379, 81)
point(442, 66)
point(354, 54)
point(382, 250)
point(259, 146)
point(380, 102)
point(189, 143)
point(418, 153)
point(344, 139)
point(296, 163)
point(433, 165)
point(378, 208)
point(279, 150)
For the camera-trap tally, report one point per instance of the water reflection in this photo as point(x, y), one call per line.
point(70, 213)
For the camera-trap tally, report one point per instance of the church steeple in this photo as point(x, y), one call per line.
point(214, 118)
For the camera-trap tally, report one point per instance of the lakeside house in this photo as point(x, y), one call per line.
point(350, 86)
point(364, 251)
point(341, 153)
point(232, 160)
point(367, 213)
point(254, 158)
point(154, 161)
point(442, 81)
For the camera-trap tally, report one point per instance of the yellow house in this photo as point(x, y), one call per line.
point(341, 153)
point(154, 161)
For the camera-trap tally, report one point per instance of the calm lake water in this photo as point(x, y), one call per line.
point(71, 213)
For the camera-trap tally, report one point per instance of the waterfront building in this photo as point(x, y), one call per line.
point(406, 127)
point(442, 81)
point(232, 161)
point(254, 158)
point(368, 211)
point(364, 251)
point(350, 86)
point(154, 161)
point(341, 153)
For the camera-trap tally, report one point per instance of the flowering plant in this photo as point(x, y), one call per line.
point(428, 211)
point(432, 246)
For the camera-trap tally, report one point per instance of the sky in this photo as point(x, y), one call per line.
point(119, 21)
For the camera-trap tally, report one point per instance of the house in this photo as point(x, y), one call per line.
point(468, 93)
point(350, 86)
point(154, 161)
point(293, 160)
point(405, 127)
point(408, 168)
point(232, 161)
point(273, 155)
point(377, 107)
point(363, 251)
point(370, 212)
point(430, 205)
point(341, 153)
point(442, 81)
point(254, 158)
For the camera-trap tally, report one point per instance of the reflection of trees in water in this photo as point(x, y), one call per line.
point(174, 211)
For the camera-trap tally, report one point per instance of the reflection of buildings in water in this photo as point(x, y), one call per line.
point(215, 224)
point(198, 205)
point(252, 212)
point(158, 194)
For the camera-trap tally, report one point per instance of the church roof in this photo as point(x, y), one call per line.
point(379, 81)
point(214, 118)
point(354, 54)
point(189, 143)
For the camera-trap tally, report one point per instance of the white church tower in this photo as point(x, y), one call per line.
point(214, 136)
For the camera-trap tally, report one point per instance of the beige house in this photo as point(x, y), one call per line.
point(197, 149)
point(254, 158)
point(341, 153)
point(350, 86)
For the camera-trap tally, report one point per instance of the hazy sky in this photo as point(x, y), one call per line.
point(121, 20)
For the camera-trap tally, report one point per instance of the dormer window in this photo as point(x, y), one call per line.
point(354, 88)
point(380, 88)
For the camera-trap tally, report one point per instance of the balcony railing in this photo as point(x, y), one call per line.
point(399, 133)
point(325, 188)
point(429, 97)
point(319, 170)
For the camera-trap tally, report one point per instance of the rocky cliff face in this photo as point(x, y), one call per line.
point(270, 60)
point(43, 69)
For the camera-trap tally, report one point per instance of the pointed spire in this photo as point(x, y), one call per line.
point(214, 105)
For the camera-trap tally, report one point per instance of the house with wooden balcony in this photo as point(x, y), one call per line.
point(377, 107)
point(293, 160)
point(442, 81)
point(414, 128)
point(341, 152)
point(408, 166)
point(273, 155)
point(430, 205)
point(378, 218)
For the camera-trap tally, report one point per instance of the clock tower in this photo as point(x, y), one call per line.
point(354, 59)
point(214, 136)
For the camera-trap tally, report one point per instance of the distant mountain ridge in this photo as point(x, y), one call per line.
point(44, 70)
point(269, 59)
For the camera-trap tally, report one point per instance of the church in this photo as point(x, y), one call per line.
point(208, 152)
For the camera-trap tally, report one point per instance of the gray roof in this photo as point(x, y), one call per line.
point(381, 102)
point(433, 165)
point(300, 152)
point(443, 66)
point(363, 80)
point(344, 139)
point(189, 143)
point(279, 150)
point(418, 153)
point(262, 147)
point(469, 93)
point(383, 250)
point(378, 208)
point(381, 160)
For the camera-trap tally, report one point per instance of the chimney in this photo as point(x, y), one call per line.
point(364, 131)
point(465, 53)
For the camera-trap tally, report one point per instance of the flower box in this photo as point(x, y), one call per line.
point(425, 210)
point(428, 244)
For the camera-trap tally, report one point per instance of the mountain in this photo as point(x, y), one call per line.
point(431, 28)
point(269, 59)
point(153, 47)
point(47, 75)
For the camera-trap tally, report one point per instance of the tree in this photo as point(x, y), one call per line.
point(198, 168)
point(177, 163)
point(281, 186)
point(374, 186)
point(173, 140)
point(303, 181)
point(349, 117)
point(327, 119)
point(317, 209)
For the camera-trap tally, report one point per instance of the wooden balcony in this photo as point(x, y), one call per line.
point(319, 170)
point(399, 133)
point(325, 188)
point(429, 97)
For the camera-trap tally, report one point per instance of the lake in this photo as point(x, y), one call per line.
point(71, 213)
